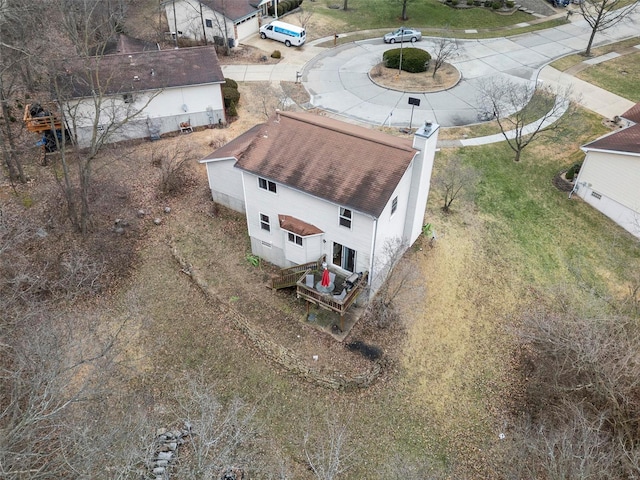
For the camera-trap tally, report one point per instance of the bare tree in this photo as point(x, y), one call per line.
point(328, 452)
point(221, 437)
point(456, 180)
point(404, 4)
point(85, 91)
point(604, 14)
point(525, 112)
point(582, 392)
point(445, 47)
point(17, 23)
point(52, 364)
point(395, 275)
point(173, 163)
point(304, 16)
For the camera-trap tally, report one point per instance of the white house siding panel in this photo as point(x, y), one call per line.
point(225, 182)
point(189, 21)
point(615, 176)
point(247, 28)
point(315, 211)
point(165, 111)
point(609, 183)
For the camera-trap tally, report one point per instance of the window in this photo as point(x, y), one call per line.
point(345, 217)
point(344, 257)
point(394, 205)
point(264, 222)
point(209, 23)
point(293, 238)
point(127, 98)
point(596, 194)
point(265, 184)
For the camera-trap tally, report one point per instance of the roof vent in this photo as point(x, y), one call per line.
point(277, 115)
point(131, 60)
point(136, 78)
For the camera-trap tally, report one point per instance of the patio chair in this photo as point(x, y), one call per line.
point(342, 295)
point(308, 281)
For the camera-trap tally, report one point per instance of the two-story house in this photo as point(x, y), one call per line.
point(609, 179)
point(312, 186)
point(203, 20)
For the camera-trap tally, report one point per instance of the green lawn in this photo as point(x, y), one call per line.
point(374, 14)
point(619, 76)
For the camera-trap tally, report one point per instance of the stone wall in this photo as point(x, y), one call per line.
point(277, 353)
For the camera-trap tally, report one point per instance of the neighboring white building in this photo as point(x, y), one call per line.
point(161, 88)
point(313, 186)
point(609, 179)
point(205, 19)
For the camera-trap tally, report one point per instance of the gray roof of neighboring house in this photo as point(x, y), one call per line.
point(348, 165)
point(232, 9)
point(141, 71)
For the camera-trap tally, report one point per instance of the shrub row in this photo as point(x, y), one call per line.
point(414, 60)
point(231, 97)
point(284, 6)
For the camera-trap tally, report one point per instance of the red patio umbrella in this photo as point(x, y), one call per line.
point(326, 280)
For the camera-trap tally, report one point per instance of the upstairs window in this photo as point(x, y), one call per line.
point(345, 217)
point(268, 185)
point(293, 238)
point(209, 23)
point(127, 98)
point(264, 222)
point(394, 205)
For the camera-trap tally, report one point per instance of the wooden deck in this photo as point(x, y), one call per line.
point(328, 300)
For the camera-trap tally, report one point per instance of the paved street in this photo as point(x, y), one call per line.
point(337, 78)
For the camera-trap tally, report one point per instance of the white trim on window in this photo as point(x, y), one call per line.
point(265, 223)
point(267, 185)
point(394, 205)
point(295, 239)
point(345, 217)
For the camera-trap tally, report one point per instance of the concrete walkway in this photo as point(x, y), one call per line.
point(337, 78)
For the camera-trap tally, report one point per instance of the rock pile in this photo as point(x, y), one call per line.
point(165, 452)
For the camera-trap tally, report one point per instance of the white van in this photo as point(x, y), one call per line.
point(284, 32)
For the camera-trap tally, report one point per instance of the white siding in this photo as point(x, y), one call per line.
point(189, 22)
point(315, 211)
point(204, 105)
point(225, 182)
point(611, 184)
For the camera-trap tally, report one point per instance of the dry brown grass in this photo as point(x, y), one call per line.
point(446, 77)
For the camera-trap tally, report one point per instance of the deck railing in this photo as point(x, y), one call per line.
point(327, 300)
point(287, 277)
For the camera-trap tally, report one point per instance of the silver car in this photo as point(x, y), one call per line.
point(403, 34)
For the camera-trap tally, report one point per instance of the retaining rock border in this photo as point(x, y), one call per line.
point(275, 352)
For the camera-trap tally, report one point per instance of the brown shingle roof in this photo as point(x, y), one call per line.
point(633, 113)
point(348, 165)
point(626, 140)
point(297, 226)
point(171, 68)
point(232, 9)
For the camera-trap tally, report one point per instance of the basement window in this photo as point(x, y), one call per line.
point(596, 194)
